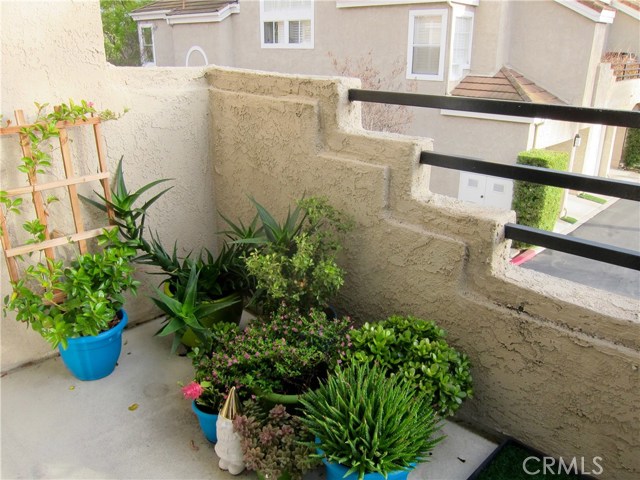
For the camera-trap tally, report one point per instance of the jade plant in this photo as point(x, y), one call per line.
point(93, 286)
point(370, 422)
point(416, 350)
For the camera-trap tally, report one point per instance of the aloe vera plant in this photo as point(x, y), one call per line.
point(184, 311)
point(371, 423)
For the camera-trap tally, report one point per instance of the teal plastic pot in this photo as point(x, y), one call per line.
point(92, 358)
point(335, 471)
point(230, 314)
point(207, 422)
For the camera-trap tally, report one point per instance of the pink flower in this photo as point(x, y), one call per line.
point(192, 391)
point(90, 104)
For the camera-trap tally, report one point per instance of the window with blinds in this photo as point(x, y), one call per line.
point(461, 50)
point(427, 38)
point(287, 23)
point(147, 54)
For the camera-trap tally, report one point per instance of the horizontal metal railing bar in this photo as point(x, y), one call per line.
point(567, 113)
point(622, 257)
point(545, 176)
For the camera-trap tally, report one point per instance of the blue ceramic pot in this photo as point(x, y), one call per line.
point(207, 422)
point(92, 358)
point(335, 471)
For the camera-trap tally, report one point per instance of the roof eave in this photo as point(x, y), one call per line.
point(606, 15)
point(624, 8)
point(205, 17)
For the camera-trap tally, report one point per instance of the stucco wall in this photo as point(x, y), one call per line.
point(164, 135)
point(534, 48)
point(555, 363)
point(624, 34)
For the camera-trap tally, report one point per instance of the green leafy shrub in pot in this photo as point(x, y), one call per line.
point(93, 285)
point(196, 288)
point(370, 422)
point(205, 389)
point(415, 349)
point(295, 261)
point(273, 442)
point(284, 353)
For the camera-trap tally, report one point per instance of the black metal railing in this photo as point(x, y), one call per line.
point(563, 243)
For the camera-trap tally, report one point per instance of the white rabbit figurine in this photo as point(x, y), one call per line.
point(228, 447)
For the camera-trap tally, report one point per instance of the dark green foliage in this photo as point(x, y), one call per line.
point(631, 155)
point(192, 283)
point(121, 43)
point(369, 422)
point(185, 311)
point(416, 350)
point(284, 353)
point(538, 205)
point(508, 465)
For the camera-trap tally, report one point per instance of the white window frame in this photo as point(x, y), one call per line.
point(460, 13)
point(142, 26)
point(286, 16)
point(444, 15)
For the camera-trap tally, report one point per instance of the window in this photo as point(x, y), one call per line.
point(286, 23)
point(147, 52)
point(461, 48)
point(427, 38)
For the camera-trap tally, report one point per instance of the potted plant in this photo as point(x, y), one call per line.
point(273, 442)
point(279, 357)
point(415, 349)
point(221, 282)
point(204, 391)
point(295, 261)
point(368, 425)
point(189, 319)
point(87, 324)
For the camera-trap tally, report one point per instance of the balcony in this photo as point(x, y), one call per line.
point(555, 363)
point(93, 432)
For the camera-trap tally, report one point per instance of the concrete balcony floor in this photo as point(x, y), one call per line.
point(55, 426)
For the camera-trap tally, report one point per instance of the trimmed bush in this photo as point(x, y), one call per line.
point(537, 205)
point(631, 155)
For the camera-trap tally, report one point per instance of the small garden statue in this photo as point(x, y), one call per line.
point(228, 447)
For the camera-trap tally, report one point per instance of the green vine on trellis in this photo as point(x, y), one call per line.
point(38, 134)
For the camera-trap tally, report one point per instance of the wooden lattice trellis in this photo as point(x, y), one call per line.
point(71, 181)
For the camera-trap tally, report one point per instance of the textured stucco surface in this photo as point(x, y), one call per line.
point(555, 364)
point(58, 54)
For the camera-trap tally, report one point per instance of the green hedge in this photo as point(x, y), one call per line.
point(538, 205)
point(631, 156)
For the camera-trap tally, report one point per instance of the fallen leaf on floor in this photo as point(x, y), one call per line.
point(194, 447)
point(133, 406)
point(72, 387)
point(462, 459)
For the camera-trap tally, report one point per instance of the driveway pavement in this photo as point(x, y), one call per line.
point(619, 225)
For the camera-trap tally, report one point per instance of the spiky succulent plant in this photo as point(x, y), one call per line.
point(369, 422)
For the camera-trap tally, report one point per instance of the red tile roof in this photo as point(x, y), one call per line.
point(507, 84)
point(596, 5)
point(182, 7)
point(633, 4)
